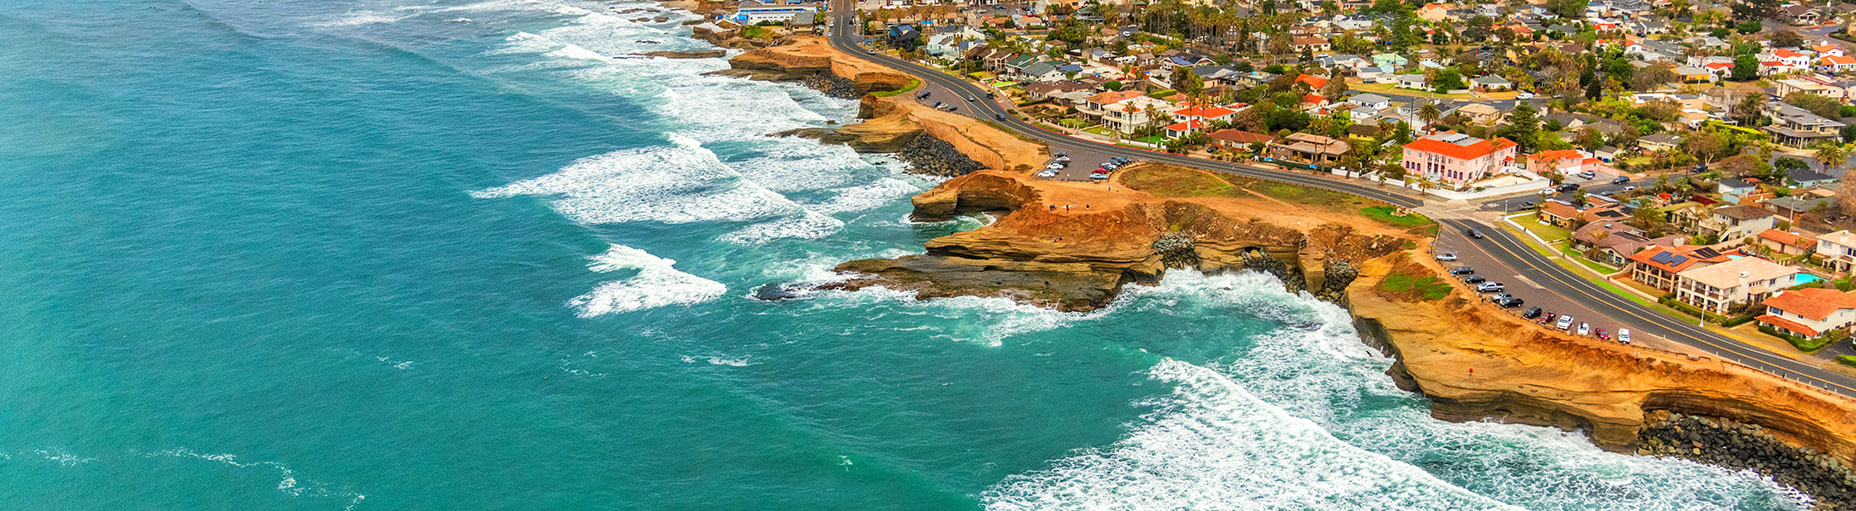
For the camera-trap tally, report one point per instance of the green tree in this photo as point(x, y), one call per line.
point(1746, 68)
point(1831, 154)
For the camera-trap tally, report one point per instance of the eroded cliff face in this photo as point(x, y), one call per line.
point(1475, 362)
point(1077, 256)
point(799, 57)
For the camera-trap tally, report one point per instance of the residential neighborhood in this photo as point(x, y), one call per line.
point(1721, 129)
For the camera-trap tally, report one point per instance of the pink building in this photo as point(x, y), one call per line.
point(1456, 158)
point(1564, 162)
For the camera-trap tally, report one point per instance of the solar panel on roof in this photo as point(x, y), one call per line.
point(1676, 260)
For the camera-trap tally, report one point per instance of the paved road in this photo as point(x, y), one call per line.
point(1502, 246)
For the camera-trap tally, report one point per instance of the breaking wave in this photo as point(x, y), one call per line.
point(657, 284)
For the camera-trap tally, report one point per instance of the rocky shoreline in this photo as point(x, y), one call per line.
point(935, 157)
point(1736, 445)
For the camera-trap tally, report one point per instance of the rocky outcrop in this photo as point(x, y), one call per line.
point(1736, 445)
point(1475, 362)
point(935, 157)
point(832, 85)
point(804, 57)
point(1076, 257)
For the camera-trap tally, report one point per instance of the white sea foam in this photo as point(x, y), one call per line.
point(680, 183)
point(359, 18)
point(985, 320)
point(1212, 445)
point(62, 457)
point(1315, 424)
point(287, 479)
point(656, 284)
point(719, 360)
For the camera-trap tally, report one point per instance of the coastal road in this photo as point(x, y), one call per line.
point(1526, 263)
point(1523, 262)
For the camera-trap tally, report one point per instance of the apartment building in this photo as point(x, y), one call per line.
point(1717, 288)
point(1456, 158)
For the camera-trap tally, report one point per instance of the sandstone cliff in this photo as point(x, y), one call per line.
point(799, 57)
point(1072, 246)
point(1475, 361)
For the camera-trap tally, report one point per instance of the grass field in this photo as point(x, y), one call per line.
point(1427, 287)
point(1385, 214)
point(884, 94)
point(1170, 181)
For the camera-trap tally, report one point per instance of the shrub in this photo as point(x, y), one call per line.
point(1162, 93)
point(1848, 360)
point(1807, 345)
point(884, 94)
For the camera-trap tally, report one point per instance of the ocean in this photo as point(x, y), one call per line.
point(443, 254)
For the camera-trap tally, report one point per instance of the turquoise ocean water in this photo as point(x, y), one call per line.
point(405, 254)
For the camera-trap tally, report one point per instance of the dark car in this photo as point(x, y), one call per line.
point(1532, 312)
point(1473, 233)
point(1569, 187)
point(1510, 302)
point(1474, 279)
point(1620, 180)
point(999, 116)
point(1462, 270)
point(1527, 205)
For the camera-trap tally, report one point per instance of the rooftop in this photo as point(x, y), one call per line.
point(1732, 273)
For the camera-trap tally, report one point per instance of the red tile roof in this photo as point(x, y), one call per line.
point(1812, 302)
point(1788, 324)
point(1188, 125)
point(1209, 112)
point(1838, 60)
point(1562, 154)
point(1462, 152)
point(1788, 238)
point(1312, 81)
point(1242, 137)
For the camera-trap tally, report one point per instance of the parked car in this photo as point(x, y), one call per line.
point(1462, 270)
point(1532, 312)
point(951, 108)
point(1602, 334)
point(924, 93)
point(1624, 335)
point(1510, 302)
point(1588, 174)
point(1489, 287)
point(1585, 328)
point(1446, 256)
point(1564, 323)
point(1098, 175)
point(1473, 233)
point(1474, 279)
point(1548, 317)
point(1048, 173)
point(1630, 188)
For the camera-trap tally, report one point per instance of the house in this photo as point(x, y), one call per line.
point(1373, 101)
point(1792, 206)
point(903, 36)
point(1097, 106)
point(1807, 178)
point(1657, 267)
point(1564, 162)
point(1410, 81)
point(1786, 243)
point(1615, 241)
point(1735, 223)
point(1733, 189)
point(1490, 83)
point(1835, 64)
point(1314, 82)
point(1133, 114)
point(1183, 128)
point(1239, 139)
point(750, 12)
point(1042, 72)
point(1810, 312)
point(1390, 60)
point(1717, 288)
point(1480, 113)
point(1046, 90)
point(1560, 213)
point(1838, 251)
point(1659, 142)
point(1799, 14)
point(1606, 153)
point(1456, 158)
point(1799, 128)
point(1309, 148)
point(1309, 43)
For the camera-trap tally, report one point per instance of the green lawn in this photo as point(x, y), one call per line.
point(1171, 181)
point(1098, 130)
point(1594, 265)
point(884, 94)
point(1385, 214)
point(1546, 232)
point(1427, 287)
point(1152, 140)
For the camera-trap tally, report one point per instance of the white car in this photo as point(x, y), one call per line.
point(1585, 329)
point(1564, 323)
point(1624, 335)
point(1489, 287)
point(1523, 95)
point(1446, 256)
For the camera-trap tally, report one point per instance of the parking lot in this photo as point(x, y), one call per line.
point(1474, 254)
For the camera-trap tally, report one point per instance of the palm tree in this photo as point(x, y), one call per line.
point(1429, 114)
point(1831, 153)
